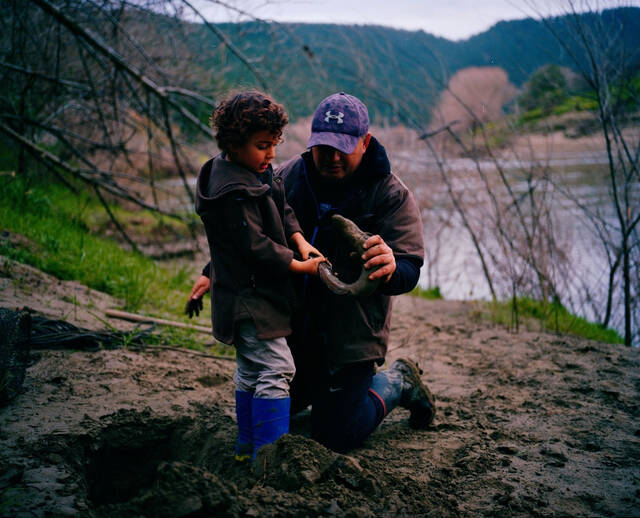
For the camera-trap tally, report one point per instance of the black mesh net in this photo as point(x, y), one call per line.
point(15, 329)
point(21, 331)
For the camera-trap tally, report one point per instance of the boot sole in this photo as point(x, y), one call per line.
point(423, 408)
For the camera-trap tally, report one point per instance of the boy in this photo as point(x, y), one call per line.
point(249, 227)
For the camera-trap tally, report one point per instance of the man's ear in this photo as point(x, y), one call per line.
point(365, 140)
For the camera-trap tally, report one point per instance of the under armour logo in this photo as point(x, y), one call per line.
point(330, 116)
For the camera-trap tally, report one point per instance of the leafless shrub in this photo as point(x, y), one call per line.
point(475, 95)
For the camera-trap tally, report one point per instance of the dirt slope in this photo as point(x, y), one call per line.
point(528, 424)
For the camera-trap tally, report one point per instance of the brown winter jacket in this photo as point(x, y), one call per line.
point(342, 329)
point(248, 225)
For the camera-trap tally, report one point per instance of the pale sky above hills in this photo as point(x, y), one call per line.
point(452, 19)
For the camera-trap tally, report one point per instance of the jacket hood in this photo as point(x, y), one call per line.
point(219, 177)
point(375, 159)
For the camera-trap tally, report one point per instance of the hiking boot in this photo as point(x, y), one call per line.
point(415, 396)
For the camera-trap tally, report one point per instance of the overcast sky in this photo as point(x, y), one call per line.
point(452, 19)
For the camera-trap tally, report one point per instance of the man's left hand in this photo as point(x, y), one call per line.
point(378, 253)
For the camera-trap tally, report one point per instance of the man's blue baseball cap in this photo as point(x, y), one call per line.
point(339, 122)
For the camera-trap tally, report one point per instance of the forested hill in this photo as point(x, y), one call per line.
point(396, 71)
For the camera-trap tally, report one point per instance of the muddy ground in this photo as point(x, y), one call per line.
point(528, 424)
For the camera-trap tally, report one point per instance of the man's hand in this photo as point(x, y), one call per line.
point(378, 253)
point(194, 304)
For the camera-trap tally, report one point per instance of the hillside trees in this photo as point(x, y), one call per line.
point(546, 88)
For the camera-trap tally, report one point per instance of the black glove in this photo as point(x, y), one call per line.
point(193, 306)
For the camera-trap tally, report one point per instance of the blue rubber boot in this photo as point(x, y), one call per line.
point(270, 420)
point(400, 385)
point(244, 444)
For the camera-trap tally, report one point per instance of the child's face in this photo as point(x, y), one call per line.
point(257, 153)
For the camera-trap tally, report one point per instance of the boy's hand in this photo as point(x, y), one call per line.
point(201, 286)
point(310, 266)
point(194, 304)
point(307, 250)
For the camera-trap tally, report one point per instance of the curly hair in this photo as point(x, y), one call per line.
point(241, 115)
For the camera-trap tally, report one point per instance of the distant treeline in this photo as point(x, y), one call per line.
point(398, 73)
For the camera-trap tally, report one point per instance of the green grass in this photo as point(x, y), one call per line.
point(585, 101)
point(59, 242)
point(552, 317)
point(429, 293)
point(575, 103)
point(52, 228)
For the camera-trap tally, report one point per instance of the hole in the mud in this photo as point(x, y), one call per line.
point(122, 463)
point(115, 475)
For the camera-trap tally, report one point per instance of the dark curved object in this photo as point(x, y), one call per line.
point(15, 328)
point(355, 238)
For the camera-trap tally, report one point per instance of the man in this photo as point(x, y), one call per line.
point(337, 340)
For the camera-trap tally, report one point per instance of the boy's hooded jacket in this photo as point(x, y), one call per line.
point(342, 329)
point(248, 224)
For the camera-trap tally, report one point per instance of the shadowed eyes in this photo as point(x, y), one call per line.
point(262, 146)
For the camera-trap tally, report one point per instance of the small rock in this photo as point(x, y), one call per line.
point(555, 453)
point(55, 458)
point(507, 449)
point(333, 508)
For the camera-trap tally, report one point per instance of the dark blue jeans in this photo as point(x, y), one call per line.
point(344, 411)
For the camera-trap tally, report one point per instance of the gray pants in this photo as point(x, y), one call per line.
point(264, 367)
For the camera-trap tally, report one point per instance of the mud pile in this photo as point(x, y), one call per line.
point(139, 464)
point(528, 424)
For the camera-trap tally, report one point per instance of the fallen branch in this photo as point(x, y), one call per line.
point(182, 350)
point(133, 317)
point(433, 133)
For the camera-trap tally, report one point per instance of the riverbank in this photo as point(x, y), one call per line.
point(528, 424)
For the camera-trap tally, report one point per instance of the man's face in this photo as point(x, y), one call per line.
point(335, 165)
